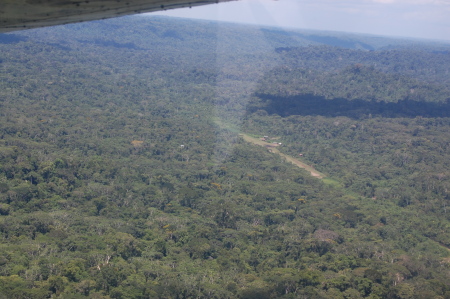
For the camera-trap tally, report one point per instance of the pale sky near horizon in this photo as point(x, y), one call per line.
point(403, 18)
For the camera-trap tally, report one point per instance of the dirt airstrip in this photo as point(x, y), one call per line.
point(273, 148)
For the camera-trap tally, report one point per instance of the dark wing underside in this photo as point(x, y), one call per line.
point(26, 14)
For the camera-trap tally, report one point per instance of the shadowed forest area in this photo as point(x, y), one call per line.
point(355, 109)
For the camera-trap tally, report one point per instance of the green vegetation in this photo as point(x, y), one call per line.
point(123, 173)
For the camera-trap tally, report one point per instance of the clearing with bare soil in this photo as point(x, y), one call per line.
point(272, 147)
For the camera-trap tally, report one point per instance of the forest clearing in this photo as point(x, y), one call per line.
point(272, 148)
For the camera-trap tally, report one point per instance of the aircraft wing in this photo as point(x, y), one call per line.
point(26, 14)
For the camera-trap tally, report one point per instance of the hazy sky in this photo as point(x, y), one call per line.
point(408, 18)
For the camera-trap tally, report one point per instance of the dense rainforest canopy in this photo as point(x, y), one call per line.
point(123, 173)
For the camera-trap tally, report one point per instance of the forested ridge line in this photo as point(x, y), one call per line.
point(356, 82)
point(424, 64)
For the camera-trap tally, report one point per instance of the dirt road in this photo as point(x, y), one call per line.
point(273, 148)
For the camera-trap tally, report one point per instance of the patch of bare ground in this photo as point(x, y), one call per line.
point(272, 147)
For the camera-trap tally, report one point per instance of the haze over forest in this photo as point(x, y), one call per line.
point(131, 163)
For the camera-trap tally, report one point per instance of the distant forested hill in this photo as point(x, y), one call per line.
point(424, 64)
point(123, 175)
point(356, 82)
